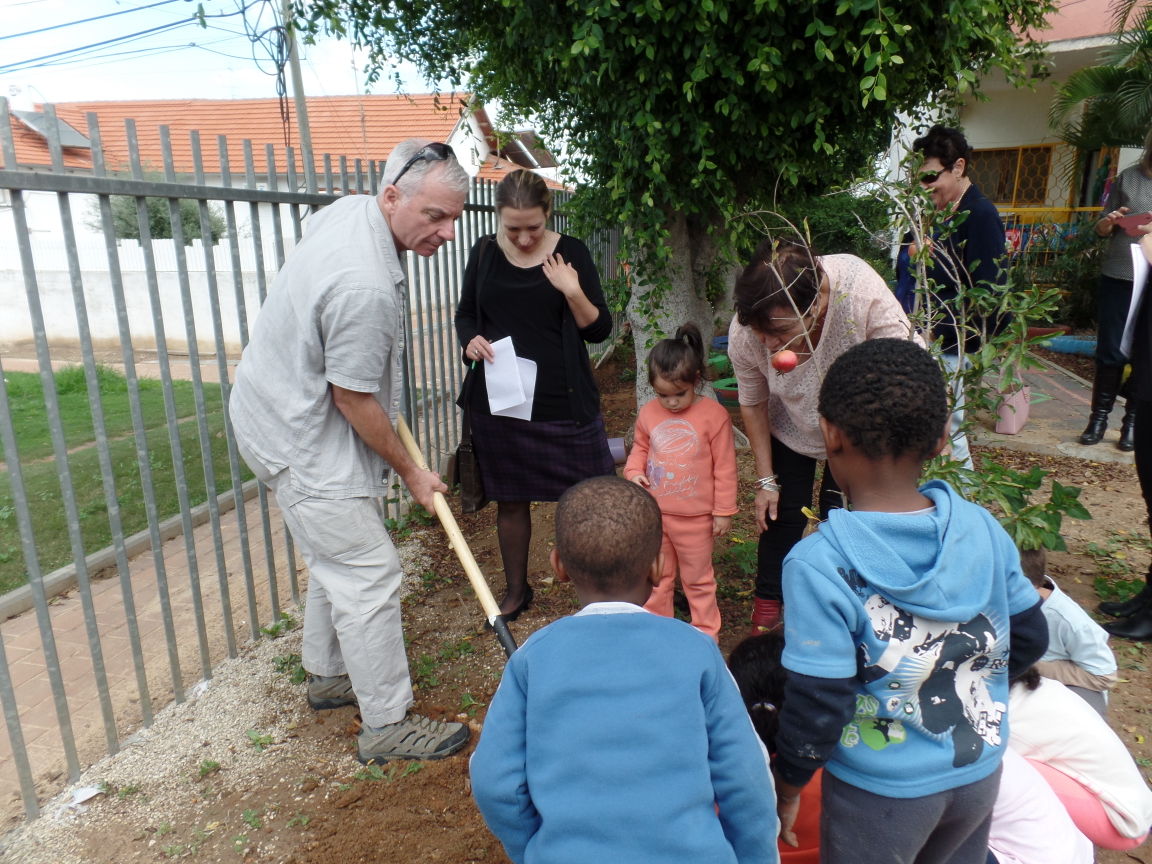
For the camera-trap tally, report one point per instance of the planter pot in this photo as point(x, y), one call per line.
point(616, 448)
point(727, 392)
point(1013, 410)
point(1071, 345)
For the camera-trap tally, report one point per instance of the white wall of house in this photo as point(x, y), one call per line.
point(54, 281)
point(1019, 118)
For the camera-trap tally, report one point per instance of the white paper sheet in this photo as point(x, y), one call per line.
point(502, 377)
point(1139, 283)
point(523, 411)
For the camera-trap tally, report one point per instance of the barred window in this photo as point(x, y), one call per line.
point(1013, 175)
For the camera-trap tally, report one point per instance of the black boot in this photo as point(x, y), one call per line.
point(1125, 608)
point(1127, 441)
point(1104, 390)
point(1137, 627)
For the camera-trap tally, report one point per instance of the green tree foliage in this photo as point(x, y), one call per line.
point(1116, 95)
point(127, 226)
point(683, 115)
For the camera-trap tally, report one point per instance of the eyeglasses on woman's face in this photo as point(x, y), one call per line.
point(434, 152)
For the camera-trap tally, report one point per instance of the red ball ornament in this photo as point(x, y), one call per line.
point(784, 361)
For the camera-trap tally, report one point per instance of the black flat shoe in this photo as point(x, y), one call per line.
point(1129, 607)
point(515, 613)
point(1137, 627)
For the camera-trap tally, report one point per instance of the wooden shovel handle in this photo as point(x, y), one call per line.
point(460, 545)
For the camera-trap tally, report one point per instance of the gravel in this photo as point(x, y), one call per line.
point(248, 702)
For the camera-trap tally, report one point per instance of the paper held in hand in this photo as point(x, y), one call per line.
point(511, 382)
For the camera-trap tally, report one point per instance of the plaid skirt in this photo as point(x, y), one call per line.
point(538, 460)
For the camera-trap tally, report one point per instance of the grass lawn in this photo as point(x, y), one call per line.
point(38, 465)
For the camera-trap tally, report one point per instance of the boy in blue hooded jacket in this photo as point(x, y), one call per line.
point(907, 615)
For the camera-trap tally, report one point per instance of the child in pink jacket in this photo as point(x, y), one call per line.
point(684, 454)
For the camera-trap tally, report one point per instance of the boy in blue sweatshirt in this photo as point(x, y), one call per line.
point(907, 615)
point(616, 734)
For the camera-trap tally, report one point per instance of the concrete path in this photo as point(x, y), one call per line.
point(1057, 416)
point(25, 652)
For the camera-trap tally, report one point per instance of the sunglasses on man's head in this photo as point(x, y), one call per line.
point(930, 177)
point(434, 152)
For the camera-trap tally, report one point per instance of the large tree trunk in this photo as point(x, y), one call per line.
point(652, 319)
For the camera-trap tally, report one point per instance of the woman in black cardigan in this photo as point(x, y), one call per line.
point(542, 289)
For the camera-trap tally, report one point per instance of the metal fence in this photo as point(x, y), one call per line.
point(160, 599)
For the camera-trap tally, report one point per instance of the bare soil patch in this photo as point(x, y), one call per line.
point(246, 772)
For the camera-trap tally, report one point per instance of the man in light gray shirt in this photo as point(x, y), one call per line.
point(317, 391)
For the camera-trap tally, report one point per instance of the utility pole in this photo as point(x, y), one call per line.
point(298, 98)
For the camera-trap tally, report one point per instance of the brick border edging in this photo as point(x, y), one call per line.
point(20, 600)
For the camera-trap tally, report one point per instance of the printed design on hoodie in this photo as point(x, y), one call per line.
point(937, 675)
point(674, 445)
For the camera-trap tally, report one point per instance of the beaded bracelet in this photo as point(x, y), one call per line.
point(768, 484)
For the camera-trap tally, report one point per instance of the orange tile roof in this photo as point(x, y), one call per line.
point(496, 168)
point(364, 127)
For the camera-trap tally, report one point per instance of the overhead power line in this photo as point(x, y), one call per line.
point(54, 58)
point(87, 20)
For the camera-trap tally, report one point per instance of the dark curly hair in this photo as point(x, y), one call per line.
point(760, 674)
point(608, 533)
point(783, 276)
point(945, 144)
point(888, 397)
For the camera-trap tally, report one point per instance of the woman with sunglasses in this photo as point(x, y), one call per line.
point(542, 289)
point(810, 309)
point(969, 253)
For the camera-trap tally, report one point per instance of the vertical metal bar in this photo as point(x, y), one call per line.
point(177, 450)
point(255, 221)
point(16, 738)
point(328, 173)
point(234, 466)
point(420, 343)
point(344, 175)
point(359, 176)
point(128, 359)
point(60, 451)
point(24, 526)
point(278, 241)
point(207, 242)
point(193, 347)
point(277, 228)
point(254, 216)
point(107, 476)
point(293, 208)
point(432, 370)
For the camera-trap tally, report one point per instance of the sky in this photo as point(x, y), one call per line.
point(84, 50)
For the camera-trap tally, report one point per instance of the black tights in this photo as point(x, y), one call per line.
point(1143, 438)
point(514, 530)
point(796, 473)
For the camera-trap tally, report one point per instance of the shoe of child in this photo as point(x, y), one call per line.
point(767, 615)
point(414, 737)
point(330, 691)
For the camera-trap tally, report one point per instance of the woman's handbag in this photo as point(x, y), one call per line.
point(464, 467)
